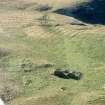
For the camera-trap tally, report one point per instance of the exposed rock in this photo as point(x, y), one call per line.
point(45, 7)
point(66, 74)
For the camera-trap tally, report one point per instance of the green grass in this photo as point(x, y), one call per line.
point(84, 52)
point(79, 50)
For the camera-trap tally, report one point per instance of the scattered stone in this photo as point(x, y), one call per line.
point(57, 25)
point(27, 65)
point(47, 65)
point(45, 7)
point(63, 88)
point(4, 52)
point(28, 82)
point(9, 93)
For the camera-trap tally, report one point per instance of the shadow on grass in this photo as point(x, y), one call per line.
point(92, 12)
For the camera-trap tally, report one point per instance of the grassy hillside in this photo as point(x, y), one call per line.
point(26, 45)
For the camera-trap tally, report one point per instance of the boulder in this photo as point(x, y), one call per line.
point(67, 74)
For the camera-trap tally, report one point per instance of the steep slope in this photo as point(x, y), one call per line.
point(91, 11)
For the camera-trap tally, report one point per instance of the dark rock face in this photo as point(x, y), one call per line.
point(66, 74)
point(92, 12)
point(75, 75)
point(62, 74)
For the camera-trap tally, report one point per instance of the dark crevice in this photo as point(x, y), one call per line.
point(92, 12)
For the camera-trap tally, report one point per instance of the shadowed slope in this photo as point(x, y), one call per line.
point(92, 12)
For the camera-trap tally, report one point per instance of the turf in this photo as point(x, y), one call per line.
point(79, 48)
